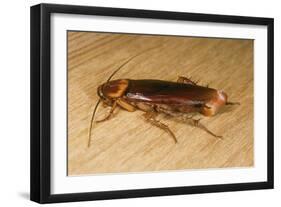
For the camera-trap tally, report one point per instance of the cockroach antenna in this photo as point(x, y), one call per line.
point(93, 115)
point(97, 104)
point(126, 62)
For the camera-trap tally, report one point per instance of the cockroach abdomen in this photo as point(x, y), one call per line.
point(212, 106)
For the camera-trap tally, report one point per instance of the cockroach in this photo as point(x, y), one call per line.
point(159, 96)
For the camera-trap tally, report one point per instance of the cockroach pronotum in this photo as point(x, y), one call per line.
point(159, 96)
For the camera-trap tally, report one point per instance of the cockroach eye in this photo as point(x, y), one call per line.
point(100, 93)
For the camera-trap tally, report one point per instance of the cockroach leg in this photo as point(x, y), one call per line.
point(125, 105)
point(232, 103)
point(110, 113)
point(182, 79)
point(201, 126)
point(105, 105)
point(150, 117)
point(206, 106)
point(186, 118)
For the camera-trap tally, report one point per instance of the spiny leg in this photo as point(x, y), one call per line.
point(121, 103)
point(186, 118)
point(182, 79)
point(201, 126)
point(125, 105)
point(150, 117)
point(110, 113)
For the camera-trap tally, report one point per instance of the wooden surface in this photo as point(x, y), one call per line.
point(127, 143)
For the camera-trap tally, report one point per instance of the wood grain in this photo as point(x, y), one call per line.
point(127, 143)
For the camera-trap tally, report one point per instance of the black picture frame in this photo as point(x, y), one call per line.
point(40, 184)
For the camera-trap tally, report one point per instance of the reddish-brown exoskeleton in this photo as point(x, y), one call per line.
point(160, 96)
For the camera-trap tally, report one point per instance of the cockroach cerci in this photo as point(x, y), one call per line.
point(153, 97)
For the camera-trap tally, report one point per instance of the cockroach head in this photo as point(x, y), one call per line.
point(102, 96)
point(100, 93)
point(113, 89)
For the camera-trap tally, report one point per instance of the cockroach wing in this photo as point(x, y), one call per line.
point(178, 96)
point(170, 93)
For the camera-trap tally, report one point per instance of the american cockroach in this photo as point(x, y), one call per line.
point(159, 96)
